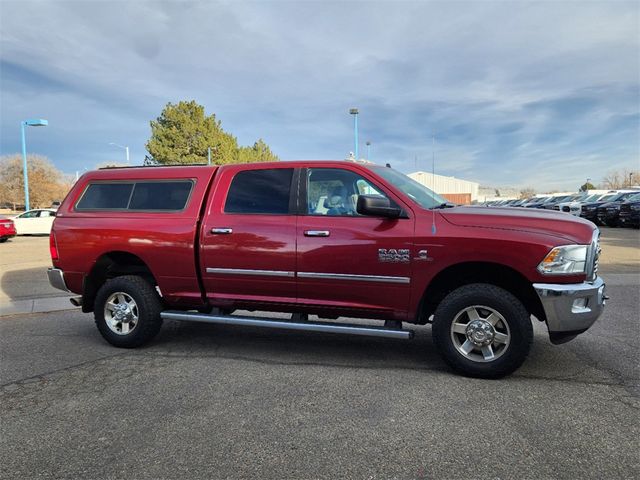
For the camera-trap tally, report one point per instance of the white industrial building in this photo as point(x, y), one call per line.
point(453, 189)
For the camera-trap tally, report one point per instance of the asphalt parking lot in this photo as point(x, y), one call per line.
point(221, 402)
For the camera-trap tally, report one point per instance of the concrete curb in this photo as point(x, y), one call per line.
point(35, 305)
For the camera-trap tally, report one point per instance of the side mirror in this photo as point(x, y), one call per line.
point(377, 206)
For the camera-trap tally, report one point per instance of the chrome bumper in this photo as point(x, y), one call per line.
point(571, 309)
point(56, 279)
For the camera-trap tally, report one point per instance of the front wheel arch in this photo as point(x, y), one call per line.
point(460, 274)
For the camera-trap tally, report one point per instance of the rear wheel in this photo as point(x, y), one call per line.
point(127, 311)
point(482, 331)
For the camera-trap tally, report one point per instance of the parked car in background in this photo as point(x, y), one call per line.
point(535, 202)
point(35, 222)
point(574, 207)
point(55, 205)
point(552, 203)
point(590, 210)
point(608, 213)
point(7, 229)
point(629, 215)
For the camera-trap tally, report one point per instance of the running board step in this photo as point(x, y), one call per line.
point(324, 327)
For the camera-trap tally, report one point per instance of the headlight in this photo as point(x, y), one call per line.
point(565, 260)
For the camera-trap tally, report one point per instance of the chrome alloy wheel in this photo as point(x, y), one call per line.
point(480, 333)
point(121, 313)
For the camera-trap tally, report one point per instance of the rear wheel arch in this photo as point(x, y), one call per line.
point(111, 265)
point(458, 275)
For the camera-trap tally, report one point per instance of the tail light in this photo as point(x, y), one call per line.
point(53, 246)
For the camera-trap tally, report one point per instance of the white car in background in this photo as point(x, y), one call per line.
point(35, 222)
point(574, 207)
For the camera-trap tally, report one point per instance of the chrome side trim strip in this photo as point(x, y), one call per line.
point(358, 278)
point(242, 271)
point(363, 330)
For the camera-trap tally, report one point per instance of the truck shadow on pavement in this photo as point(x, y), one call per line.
point(181, 339)
point(28, 283)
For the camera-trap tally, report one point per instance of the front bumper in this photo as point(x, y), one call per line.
point(571, 308)
point(56, 279)
point(629, 218)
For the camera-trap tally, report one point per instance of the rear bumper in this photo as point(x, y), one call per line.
point(571, 308)
point(56, 279)
point(8, 232)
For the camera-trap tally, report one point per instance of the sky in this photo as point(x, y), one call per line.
point(543, 94)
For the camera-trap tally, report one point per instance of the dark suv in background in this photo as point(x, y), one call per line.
point(590, 210)
point(608, 213)
point(630, 212)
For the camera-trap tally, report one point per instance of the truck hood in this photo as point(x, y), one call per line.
point(549, 222)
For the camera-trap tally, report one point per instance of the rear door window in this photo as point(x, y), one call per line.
point(264, 192)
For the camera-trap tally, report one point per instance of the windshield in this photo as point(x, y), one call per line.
point(414, 190)
point(608, 198)
point(624, 196)
point(634, 198)
point(592, 198)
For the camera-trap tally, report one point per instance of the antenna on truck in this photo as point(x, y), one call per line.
point(433, 180)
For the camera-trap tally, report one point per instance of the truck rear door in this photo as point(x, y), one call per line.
point(247, 246)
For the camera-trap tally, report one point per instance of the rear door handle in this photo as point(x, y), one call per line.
point(221, 231)
point(317, 233)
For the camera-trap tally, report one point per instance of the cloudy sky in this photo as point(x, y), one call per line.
point(541, 94)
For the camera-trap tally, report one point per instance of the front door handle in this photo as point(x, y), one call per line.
point(317, 233)
point(221, 231)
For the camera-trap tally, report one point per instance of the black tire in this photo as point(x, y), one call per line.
point(148, 305)
point(4, 239)
point(518, 325)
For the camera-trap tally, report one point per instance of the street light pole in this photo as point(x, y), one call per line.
point(40, 122)
point(354, 112)
point(126, 149)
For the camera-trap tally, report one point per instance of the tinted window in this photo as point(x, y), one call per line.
point(160, 195)
point(146, 196)
point(260, 191)
point(29, 214)
point(105, 196)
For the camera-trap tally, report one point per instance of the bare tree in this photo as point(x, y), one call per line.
point(527, 192)
point(46, 183)
point(621, 178)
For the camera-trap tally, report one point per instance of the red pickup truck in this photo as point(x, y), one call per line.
point(330, 238)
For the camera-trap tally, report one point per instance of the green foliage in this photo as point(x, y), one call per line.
point(183, 133)
point(587, 186)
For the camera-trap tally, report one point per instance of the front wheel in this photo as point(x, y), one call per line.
point(482, 331)
point(127, 311)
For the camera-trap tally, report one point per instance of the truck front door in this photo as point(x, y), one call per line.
point(347, 261)
point(247, 251)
